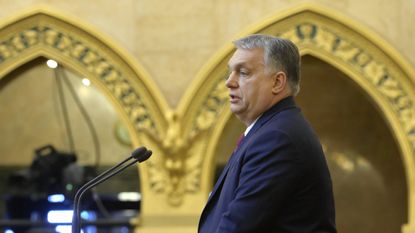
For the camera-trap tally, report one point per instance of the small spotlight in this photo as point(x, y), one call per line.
point(56, 198)
point(59, 216)
point(129, 196)
point(64, 229)
point(52, 63)
point(86, 82)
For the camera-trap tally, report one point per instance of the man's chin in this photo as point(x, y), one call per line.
point(235, 109)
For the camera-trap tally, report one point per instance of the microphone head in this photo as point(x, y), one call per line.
point(138, 152)
point(141, 154)
point(145, 156)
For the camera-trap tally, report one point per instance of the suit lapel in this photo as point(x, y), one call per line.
point(283, 104)
point(219, 182)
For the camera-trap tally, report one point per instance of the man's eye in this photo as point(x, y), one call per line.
point(243, 73)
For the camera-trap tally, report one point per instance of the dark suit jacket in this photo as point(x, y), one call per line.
point(276, 181)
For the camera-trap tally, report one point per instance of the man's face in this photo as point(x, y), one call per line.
point(250, 84)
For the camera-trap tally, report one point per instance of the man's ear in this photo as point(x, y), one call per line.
point(280, 82)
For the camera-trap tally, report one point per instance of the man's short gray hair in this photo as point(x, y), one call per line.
point(279, 54)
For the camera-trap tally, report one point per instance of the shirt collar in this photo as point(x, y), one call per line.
point(250, 126)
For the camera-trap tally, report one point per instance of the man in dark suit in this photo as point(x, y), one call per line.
point(276, 180)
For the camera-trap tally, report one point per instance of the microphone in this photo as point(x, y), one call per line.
point(141, 154)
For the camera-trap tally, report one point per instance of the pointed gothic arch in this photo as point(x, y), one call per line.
point(179, 178)
point(42, 32)
point(356, 51)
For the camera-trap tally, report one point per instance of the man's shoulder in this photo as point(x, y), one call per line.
point(286, 117)
point(290, 122)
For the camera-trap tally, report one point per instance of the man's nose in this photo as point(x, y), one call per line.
point(232, 81)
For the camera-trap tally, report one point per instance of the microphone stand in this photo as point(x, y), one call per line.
point(139, 155)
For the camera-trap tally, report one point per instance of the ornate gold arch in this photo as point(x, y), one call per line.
point(44, 32)
point(367, 59)
point(176, 181)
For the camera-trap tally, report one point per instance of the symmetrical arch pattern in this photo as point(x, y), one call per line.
point(177, 180)
point(364, 57)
